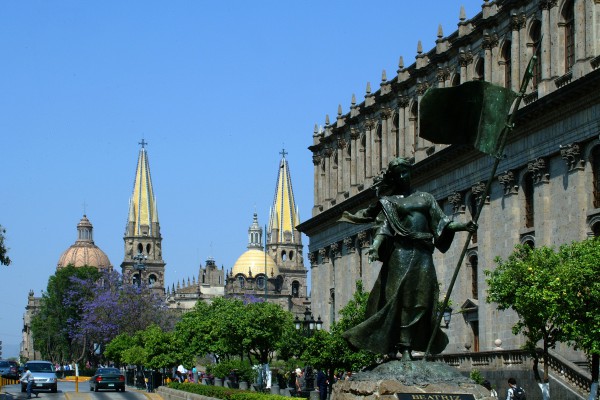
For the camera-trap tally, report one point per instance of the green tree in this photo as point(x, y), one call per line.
point(580, 294)
point(4, 260)
point(116, 348)
point(50, 325)
point(529, 283)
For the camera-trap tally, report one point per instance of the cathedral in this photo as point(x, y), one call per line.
point(276, 271)
point(546, 191)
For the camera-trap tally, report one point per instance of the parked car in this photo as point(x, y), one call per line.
point(107, 378)
point(9, 369)
point(44, 376)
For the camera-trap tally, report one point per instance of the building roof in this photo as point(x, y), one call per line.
point(142, 205)
point(253, 262)
point(84, 252)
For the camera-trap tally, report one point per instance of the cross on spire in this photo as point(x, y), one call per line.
point(143, 143)
point(283, 153)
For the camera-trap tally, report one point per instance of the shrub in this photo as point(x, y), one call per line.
point(224, 393)
point(243, 370)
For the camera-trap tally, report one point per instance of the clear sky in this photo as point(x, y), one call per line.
point(216, 88)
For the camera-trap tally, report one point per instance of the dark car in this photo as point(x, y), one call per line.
point(9, 369)
point(44, 376)
point(108, 378)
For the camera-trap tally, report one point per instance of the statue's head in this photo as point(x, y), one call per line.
point(396, 178)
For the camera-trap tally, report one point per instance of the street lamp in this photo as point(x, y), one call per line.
point(139, 266)
point(447, 316)
point(307, 328)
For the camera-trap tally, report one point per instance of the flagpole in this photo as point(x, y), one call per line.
point(503, 136)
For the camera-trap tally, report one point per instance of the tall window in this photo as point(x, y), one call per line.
point(569, 31)
point(507, 62)
point(479, 70)
point(596, 174)
point(474, 262)
point(529, 206)
point(535, 35)
point(295, 289)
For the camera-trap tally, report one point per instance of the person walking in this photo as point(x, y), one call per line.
point(514, 392)
point(28, 379)
point(322, 384)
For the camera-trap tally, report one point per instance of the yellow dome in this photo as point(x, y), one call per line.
point(253, 261)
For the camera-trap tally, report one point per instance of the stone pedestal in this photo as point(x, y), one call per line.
point(390, 380)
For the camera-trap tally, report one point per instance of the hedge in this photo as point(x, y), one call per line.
point(224, 393)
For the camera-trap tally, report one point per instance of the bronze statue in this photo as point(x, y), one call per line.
point(402, 305)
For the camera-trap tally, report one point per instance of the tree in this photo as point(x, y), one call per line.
point(580, 294)
point(4, 260)
point(529, 283)
point(50, 325)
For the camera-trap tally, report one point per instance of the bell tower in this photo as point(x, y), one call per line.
point(143, 242)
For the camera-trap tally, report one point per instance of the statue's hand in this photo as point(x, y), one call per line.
point(471, 226)
point(373, 254)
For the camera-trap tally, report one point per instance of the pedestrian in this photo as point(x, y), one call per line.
point(322, 384)
point(298, 382)
point(27, 378)
point(514, 392)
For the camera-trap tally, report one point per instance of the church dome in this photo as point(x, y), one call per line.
point(84, 252)
point(253, 261)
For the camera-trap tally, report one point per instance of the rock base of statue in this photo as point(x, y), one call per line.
point(399, 380)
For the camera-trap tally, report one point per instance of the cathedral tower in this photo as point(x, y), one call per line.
point(143, 242)
point(284, 241)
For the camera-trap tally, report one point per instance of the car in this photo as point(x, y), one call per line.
point(107, 378)
point(44, 376)
point(9, 369)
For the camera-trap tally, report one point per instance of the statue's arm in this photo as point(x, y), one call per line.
point(364, 216)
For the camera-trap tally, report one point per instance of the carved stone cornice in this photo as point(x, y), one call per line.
point(517, 21)
point(335, 250)
point(547, 4)
point(354, 132)
point(350, 244)
point(478, 191)
point(327, 152)
point(507, 180)
point(369, 123)
point(324, 255)
point(312, 258)
point(489, 41)
point(571, 153)
point(363, 239)
point(316, 158)
point(442, 74)
point(386, 112)
point(341, 143)
point(403, 101)
point(539, 170)
point(465, 58)
point(422, 87)
point(456, 199)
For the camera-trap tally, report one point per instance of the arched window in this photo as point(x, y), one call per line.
point(152, 280)
point(260, 281)
point(291, 255)
point(295, 289)
point(569, 34)
point(140, 248)
point(283, 256)
point(456, 80)
point(148, 248)
point(479, 70)
point(596, 175)
point(535, 35)
point(506, 61)
point(241, 281)
point(528, 196)
point(474, 263)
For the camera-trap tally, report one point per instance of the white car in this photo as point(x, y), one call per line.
point(44, 376)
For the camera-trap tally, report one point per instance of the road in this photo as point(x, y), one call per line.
point(66, 391)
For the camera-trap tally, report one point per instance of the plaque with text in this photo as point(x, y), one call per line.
point(434, 396)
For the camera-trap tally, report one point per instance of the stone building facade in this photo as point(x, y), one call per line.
point(210, 284)
point(547, 191)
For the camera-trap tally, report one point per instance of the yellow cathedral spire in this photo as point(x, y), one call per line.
point(143, 214)
point(284, 216)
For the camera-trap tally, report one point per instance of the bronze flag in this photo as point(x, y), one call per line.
point(473, 113)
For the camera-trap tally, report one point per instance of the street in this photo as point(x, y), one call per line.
point(66, 391)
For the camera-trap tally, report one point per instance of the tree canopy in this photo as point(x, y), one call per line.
point(4, 259)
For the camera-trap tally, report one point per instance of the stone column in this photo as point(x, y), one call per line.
point(546, 48)
point(556, 64)
point(318, 182)
point(402, 143)
point(327, 175)
point(354, 147)
point(344, 161)
point(515, 25)
point(361, 160)
point(579, 18)
point(368, 148)
point(386, 132)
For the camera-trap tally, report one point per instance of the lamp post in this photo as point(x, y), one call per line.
point(447, 316)
point(139, 266)
point(307, 328)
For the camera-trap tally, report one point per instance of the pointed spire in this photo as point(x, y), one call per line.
point(326, 119)
point(339, 110)
point(316, 130)
point(255, 233)
point(383, 76)
point(368, 88)
point(440, 33)
point(419, 48)
point(401, 63)
point(283, 217)
point(463, 14)
point(353, 101)
point(142, 204)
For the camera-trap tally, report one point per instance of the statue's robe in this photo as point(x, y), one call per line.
point(402, 306)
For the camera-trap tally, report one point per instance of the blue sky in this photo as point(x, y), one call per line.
point(217, 89)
